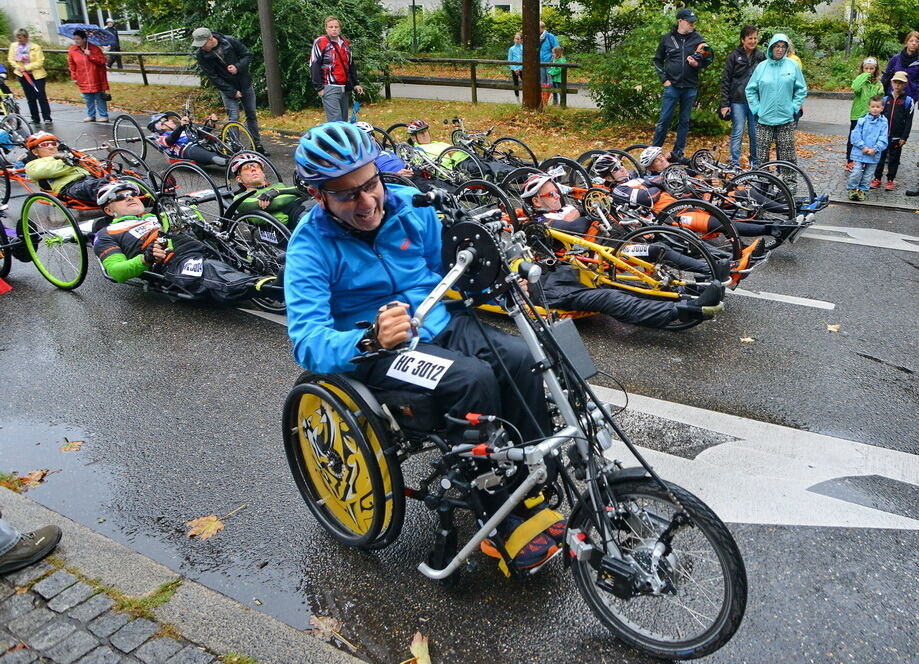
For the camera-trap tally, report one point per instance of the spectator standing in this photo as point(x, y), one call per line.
point(547, 41)
point(333, 72)
point(738, 67)
point(515, 54)
point(775, 93)
point(898, 109)
point(18, 550)
point(793, 56)
point(869, 140)
point(558, 55)
point(865, 86)
point(87, 69)
point(678, 61)
point(116, 46)
point(27, 61)
point(906, 61)
point(225, 61)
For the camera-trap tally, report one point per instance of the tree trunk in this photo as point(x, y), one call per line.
point(466, 23)
point(532, 95)
point(270, 52)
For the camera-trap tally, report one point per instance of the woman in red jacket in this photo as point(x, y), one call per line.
point(87, 69)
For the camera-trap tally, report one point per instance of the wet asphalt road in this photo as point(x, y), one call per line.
point(179, 406)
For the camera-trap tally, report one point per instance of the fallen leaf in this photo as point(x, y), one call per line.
point(257, 601)
point(71, 445)
point(33, 479)
point(419, 649)
point(205, 526)
point(748, 340)
point(326, 627)
point(834, 328)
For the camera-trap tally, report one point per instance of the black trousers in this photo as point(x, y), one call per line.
point(114, 59)
point(890, 156)
point(206, 276)
point(201, 156)
point(36, 98)
point(518, 78)
point(84, 189)
point(474, 383)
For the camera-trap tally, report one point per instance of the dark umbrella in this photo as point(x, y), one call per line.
point(96, 35)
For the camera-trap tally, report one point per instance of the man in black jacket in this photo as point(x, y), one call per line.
point(738, 67)
point(225, 61)
point(116, 44)
point(681, 54)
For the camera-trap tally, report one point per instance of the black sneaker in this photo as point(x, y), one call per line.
point(679, 159)
point(722, 269)
point(261, 150)
point(31, 548)
point(913, 192)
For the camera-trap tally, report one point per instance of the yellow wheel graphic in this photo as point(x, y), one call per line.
point(336, 454)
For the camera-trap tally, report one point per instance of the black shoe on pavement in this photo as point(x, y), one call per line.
point(261, 150)
point(913, 192)
point(722, 269)
point(31, 548)
point(679, 159)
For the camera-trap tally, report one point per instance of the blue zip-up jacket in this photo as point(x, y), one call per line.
point(776, 89)
point(546, 44)
point(332, 279)
point(515, 54)
point(869, 132)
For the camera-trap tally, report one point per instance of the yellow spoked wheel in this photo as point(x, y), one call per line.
point(337, 451)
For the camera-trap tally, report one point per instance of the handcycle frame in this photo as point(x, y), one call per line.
point(480, 267)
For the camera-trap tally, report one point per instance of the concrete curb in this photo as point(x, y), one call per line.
point(200, 614)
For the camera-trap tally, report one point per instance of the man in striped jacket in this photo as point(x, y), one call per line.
point(333, 72)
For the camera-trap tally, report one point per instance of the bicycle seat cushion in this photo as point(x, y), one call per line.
point(413, 411)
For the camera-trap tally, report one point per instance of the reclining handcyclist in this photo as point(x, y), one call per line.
point(564, 290)
point(283, 202)
point(365, 253)
point(177, 142)
point(49, 164)
point(420, 136)
point(135, 241)
point(388, 161)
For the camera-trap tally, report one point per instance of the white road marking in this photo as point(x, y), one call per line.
point(788, 299)
point(868, 237)
point(764, 476)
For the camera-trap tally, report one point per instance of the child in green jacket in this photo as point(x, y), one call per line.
point(558, 55)
point(865, 86)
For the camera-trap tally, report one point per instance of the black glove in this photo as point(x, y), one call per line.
point(149, 260)
point(269, 195)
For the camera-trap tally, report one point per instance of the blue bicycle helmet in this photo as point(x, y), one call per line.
point(154, 121)
point(331, 150)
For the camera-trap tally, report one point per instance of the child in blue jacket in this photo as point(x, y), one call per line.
point(869, 140)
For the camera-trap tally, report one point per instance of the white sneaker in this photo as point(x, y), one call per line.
point(102, 120)
point(89, 119)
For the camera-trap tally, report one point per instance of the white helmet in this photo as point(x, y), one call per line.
point(649, 154)
point(110, 190)
point(533, 184)
point(364, 126)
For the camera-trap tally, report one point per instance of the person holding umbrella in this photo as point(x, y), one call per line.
point(87, 69)
point(27, 61)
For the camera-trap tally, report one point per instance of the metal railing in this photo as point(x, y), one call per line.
point(145, 68)
point(473, 81)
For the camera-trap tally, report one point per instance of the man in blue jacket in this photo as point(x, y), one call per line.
point(365, 253)
point(681, 55)
point(775, 93)
point(547, 41)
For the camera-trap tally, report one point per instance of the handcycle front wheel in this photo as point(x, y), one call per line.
point(701, 592)
point(261, 242)
point(342, 462)
point(53, 240)
point(190, 185)
point(126, 133)
point(478, 196)
point(236, 137)
point(513, 152)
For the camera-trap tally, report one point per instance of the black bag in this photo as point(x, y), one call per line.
point(106, 96)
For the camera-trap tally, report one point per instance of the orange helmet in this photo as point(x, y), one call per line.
point(40, 137)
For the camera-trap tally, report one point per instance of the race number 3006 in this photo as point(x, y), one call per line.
point(419, 369)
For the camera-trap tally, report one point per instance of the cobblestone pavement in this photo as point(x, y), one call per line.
point(49, 615)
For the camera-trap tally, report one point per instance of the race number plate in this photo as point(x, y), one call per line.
point(268, 236)
point(636, 249)
point(193, 267)
point(419, 369)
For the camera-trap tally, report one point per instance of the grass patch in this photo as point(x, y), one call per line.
point(237, 658)
point(568, 132)
point(137, 607)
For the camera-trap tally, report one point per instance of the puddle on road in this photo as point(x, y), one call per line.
point(85, 488)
